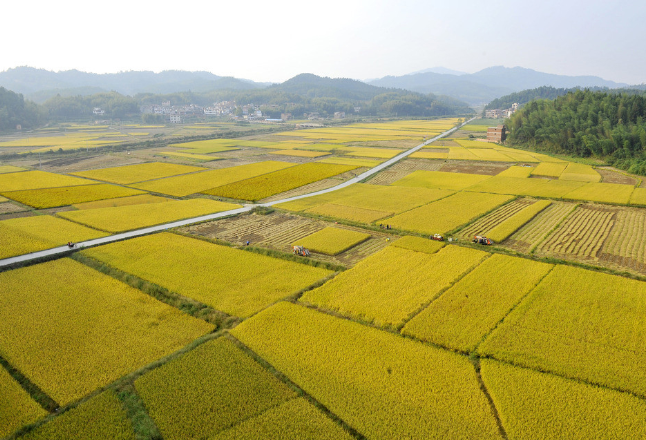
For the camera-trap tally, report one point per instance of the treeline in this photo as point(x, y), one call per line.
point(303, 94)
point(114, 104)
point(524, 96)
point(586, 123)
point(14, 111)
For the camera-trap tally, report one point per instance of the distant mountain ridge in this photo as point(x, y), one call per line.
point(488, 84)
point(40, 84)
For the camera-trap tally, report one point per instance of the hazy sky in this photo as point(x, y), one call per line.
point(275, 40)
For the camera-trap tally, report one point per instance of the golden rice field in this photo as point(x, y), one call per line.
point(579, 324)
point(554, 189)
point(378, 153)
point(243, 283)
point(602, 192)
point(538, 405)
point(429, 155)
point(447, 214)
point(638, 197)
point(391, 285)
point(516, 171)
point(206, 143)
point(300, 153)
point(468, 143)
point(219, 386)
point(361, 196)
point(10, 169)
point(101, 417)
point(129, 217)
point(461, 153)
point(295, 419)
point(92, 329)
point(490, 155)
point(581, 235)
point(122, 201)
point(507, 227)
point(180, 186)
point(475, 127)
point(418, 244)
point(191, 156)
point(313, 147)
point(580, 172)
point(463, 315)
point(69, 195)
point(38, 179)
point(523, 156)
point(17, 408)
point(260, 187)
point(404, 390)
point(31, 234)
point(549, 169)
point(332, 241)
point(352, 213)
point(440, 179)
point(69, 141)
point(128, 174)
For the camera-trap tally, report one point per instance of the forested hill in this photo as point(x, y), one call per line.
point(524, 96)
point(586, 123)
point(14, 110)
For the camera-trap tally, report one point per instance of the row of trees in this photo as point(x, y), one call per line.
point(14, 110)
point(586, 123)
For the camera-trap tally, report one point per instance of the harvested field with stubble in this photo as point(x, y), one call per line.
point(279, 230)
point(581, 236)
point(530, 235)
point(493, 219)
point(404, 168)
point(625, 247)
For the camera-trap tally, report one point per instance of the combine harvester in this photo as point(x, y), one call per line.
point(300, 250)
point(479, 239)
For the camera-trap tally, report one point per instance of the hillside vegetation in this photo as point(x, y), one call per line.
point(586, 123)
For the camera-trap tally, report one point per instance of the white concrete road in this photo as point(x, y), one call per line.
point(61, 250)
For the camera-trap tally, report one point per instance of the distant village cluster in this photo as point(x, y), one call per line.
point(176, 114)
point(501, 113)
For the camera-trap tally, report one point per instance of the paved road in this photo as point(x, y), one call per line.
point(139, 232)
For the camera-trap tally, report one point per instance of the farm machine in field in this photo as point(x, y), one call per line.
point(479, 239)
point(436, 237)
point(300, 250)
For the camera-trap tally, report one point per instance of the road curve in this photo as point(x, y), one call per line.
point(61, 250)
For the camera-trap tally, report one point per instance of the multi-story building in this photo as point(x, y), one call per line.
point(496, 134)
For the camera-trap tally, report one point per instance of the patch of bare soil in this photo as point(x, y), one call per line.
point(10, 208)
point(83, 163)
point(444, 143)
point(470, 167)
point(610, 176)
point(16, 215)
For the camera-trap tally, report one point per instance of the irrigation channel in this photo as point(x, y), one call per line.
point(61, 250)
